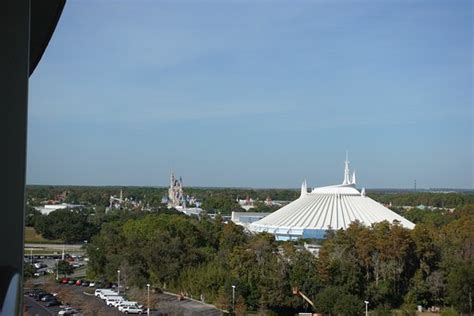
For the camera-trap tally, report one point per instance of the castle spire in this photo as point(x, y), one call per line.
point(346, 170)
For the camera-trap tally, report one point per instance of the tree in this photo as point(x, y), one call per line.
point(70, 225)
point(222, 300)
point(326, 299)
point(31, 216)
point(348, 305)
point(64, 268)
point(240, 307)
point(460, 287)
point(28, 271)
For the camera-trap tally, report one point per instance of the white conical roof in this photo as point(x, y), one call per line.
point(330, 207)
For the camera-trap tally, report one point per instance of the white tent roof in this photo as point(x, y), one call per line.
point(333, 207)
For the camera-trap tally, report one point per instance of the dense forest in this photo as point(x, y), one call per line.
point(385, 264)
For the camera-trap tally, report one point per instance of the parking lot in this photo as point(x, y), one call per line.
point(83, 300)
point(46, 264)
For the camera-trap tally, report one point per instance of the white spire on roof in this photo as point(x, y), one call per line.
point(353, 177)
point(304, 188)
point(346, 170)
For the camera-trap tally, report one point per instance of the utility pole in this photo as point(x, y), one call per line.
point(233, 299)
point(148, 304)
point(118, 282)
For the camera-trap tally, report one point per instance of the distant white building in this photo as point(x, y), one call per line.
point(246, 204)
point(313, 249)
point(326, 208)
point(48, 208)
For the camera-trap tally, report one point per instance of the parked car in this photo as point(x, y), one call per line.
point(85, 283)
point(47, 297)
point(39, 265)
point(113, 300)
point(67, 311)
point(132, 310)
point(101, 292)
point(71, 282)
point(78, 282)
point(124, 304)
point(54, 302)
point(34, 292)
point(64, 280)
point(92, 284)
point(40, 295)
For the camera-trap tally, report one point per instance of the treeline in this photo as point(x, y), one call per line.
point(387, 265)
point(439, 200)
point(78, 225)
point(93, 196)
point(224, 200)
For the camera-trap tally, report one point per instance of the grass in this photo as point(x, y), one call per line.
point(32, 236)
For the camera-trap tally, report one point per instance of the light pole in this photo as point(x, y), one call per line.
point(233, 298)
point(366, 308)
point(57, 269)
point(148, 294)
point(118, 281)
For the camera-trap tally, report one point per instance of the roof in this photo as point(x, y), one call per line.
point(330, 210)
point(329, 207)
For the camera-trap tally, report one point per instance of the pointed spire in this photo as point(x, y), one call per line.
point(304, 188)
point(362, 193)
point(346, 170)
point(121, 195)
point(353, 177)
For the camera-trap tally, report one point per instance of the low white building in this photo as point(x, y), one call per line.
point(246, 218)
point(48, 208)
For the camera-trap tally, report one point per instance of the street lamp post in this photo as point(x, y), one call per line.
point(366, 308)
point(233, 298)
point(118, 281)
point(148, 294)
point(57, 269)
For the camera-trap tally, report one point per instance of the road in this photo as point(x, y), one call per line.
point(54, 246)
point(35, 308)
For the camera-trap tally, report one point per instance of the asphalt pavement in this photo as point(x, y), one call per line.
point(36, 308)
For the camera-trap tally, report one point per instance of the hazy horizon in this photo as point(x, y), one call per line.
point(255, 94)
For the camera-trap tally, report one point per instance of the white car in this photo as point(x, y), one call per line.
point(132, 310)
point(112, 300)
point(100, 291)
point(106, 296)
point(67, 311)
point(92, 284)
point(124, 304)
point(104, 293)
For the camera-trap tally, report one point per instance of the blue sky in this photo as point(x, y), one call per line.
point(255, 94)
